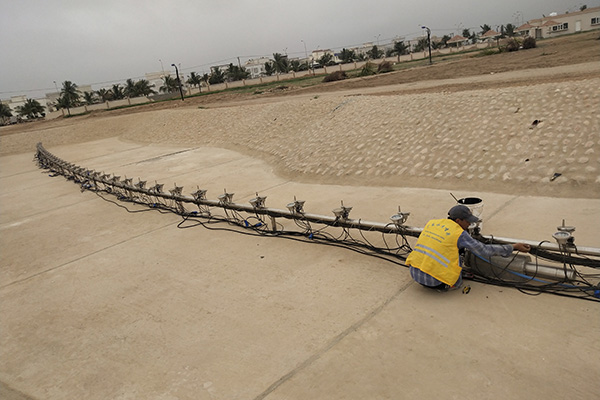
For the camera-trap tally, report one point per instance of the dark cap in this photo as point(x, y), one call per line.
point(462, 212)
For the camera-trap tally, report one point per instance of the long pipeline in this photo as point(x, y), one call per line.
point(48, 160)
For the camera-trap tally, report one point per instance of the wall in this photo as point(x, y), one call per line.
point(100, 106)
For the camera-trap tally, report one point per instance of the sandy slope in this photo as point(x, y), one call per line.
point(478, 139)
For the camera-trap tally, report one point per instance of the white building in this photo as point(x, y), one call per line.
point(555, 24)
point(256, 67)
point(18, 101)
point(317, 54)
point(156, 79)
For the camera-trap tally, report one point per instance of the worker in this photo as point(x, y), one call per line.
point(435, 262)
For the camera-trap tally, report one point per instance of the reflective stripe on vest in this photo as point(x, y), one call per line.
point(436, 251)
point(429, 252)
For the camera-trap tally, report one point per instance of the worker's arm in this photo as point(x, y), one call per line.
point(487, 250)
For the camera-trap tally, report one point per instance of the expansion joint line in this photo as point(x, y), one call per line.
point(332, 343)
point(85, 256)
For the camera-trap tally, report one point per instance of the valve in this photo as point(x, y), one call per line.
point(564, 235)
point(157, 188)
point(297, 207)
point(342, 212)
point(199, 194)
point(400, 218)
point(226, 198)
point(258, 201)
point(176, 191)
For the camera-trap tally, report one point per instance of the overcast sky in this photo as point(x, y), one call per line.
point(101, 42)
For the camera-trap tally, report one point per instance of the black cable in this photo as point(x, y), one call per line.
point(255, 225)
point(559, 288)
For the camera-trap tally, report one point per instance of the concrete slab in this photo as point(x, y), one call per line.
point(486, 345)
point(96, 302)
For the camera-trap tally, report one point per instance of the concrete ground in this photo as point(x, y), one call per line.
point(99, 303)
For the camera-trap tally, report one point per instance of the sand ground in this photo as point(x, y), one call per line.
point(99, 303)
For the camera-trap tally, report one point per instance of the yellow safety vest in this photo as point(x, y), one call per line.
point(436, 251)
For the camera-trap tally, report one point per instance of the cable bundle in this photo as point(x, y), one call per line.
point(317, 229)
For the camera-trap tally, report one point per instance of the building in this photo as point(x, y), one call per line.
point(458, 41)
point(256, 67)
point(316, 55)
point(363, 49)
point(555, 24)
point(52, 101)
point(156, 79)
point(18, 101)
point(490, 36)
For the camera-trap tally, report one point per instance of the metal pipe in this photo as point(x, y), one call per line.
point(589, 251)
point(548, 271)
point(49, 160)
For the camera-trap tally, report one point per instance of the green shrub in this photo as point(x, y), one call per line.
point(335, 76)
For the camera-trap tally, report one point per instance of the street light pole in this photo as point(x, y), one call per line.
point(178, 80)
point(57, 96)
point(306, 55)
point(428, 42)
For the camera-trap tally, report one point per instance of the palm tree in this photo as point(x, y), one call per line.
point(89, 97)
point(236, 73)
point(216, 76)
point(206, 79)
point(70, 95)
point(129, 90)
point(325, 60)
point(31, 109)
point(281, 63)
point(375, 53)
point(445, 39)
point(269, 68)
point(195, 80)
point(509, 30)
point(62, 102)
point(485, 28)
point(400, 48)
point(296, 66)
point(421, 45)
point(144, 88)
point(347, 56)
point(169, 84)
point(104, 94)
point(117, 92)
point(466, 33)
point(5, 113)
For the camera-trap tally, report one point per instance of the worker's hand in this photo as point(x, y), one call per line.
point(522, 247)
